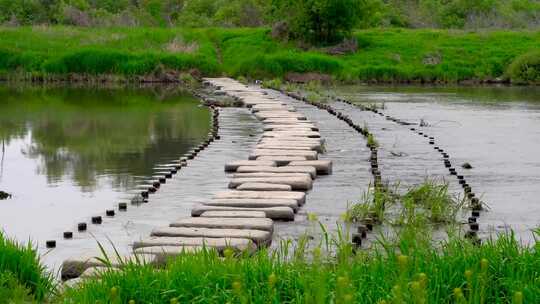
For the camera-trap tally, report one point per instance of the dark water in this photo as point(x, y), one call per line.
point(70, 153)
point(496, 130)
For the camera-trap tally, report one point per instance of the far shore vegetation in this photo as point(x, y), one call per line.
point(348, 41)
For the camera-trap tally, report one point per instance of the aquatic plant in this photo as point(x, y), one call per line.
point(371, 141)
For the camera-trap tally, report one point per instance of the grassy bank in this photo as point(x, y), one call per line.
point(384, 55)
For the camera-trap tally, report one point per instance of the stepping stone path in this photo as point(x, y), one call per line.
point(268, 186)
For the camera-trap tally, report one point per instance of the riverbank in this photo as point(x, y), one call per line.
point(74, 54)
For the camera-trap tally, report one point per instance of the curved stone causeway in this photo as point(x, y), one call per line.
point(267, 179)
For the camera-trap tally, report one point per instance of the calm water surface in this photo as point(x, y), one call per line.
point(496, 129)
point(70, 153)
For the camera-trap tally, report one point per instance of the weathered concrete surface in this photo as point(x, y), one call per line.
point(233, 165)
point(163, 252)
point(225, 223)
point(271, 107)
point(300, 140)
point(264, 187)
point(74, 267)
point(218, 244)
point(269, 174)
point(259, 237)
point(282, 160)
point(322, 166)
point(234, 214)
point(274, 213)
point(283, 147)
point(309, 155)
point(286, 169)
point(296, 182)
point(300, 197)
point(292, 133)
point(278, 127)
point(254, 203)
point(288, 143)
point(93, 272)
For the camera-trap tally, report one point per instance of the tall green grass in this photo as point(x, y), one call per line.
point(384, 55)
point(20, 265)
point(403, 270)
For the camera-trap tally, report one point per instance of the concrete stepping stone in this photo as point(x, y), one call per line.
point(165, 252)
point(269, 174)
point(309, 155)
point(267, 107)
point(283, 120)
point(274, 127)
point(282, 160)
point(225, 223)
point(259, 237)
point(254, 203)
point(233, 165)
point(299, 139)
point(274, 213)
point(296, 182)
point(300, 197)
point(283, 147)
point(74, 267)
point(322, 166)
point(234, 214)
point(219, 244)
point(288, 143)
point(263, 115)
point(93, 272)
point(286, 169)
point(278, 134)
point(264, 187)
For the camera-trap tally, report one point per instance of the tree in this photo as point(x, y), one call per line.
point(317, 21)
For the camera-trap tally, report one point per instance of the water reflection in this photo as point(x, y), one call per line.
point(89, 144)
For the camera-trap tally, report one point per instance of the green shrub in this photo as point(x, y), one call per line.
point(525, 69)
point(24, 265)
point(318, 21)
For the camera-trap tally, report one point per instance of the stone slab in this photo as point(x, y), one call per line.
point(283, 147)
point(234, 214)
point(309, 155)
point(259, 237)
point(282, 160)
point(225, 223)
point(296, 182)
point(300, 140)
point(233, 165)
point(74, 267)
point(269, 174)
point(291, 133)
point(300, 197)
point(164, 252)
point(274, 127)
point(322, 166)
point(254, 203)
point(264, 187)
point(218, 244)
point(285, 121)
point(274, 213)
point(286, 169)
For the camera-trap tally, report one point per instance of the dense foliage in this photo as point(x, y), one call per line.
point(317, 21)
point(385, 55)
point(198, 13)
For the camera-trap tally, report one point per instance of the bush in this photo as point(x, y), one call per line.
point(318, 21)
point(525, 69)
point(22, 262)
